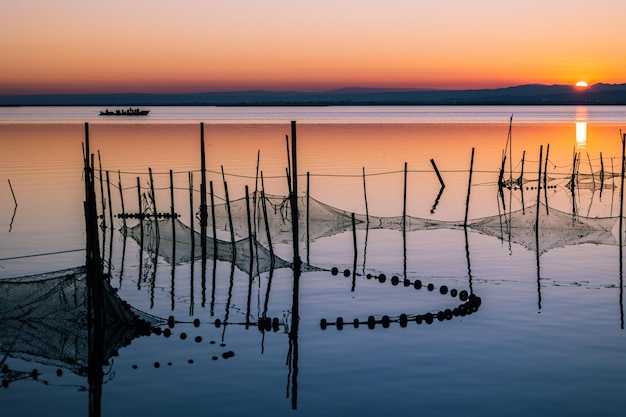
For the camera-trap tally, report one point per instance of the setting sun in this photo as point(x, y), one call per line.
point(581, 84)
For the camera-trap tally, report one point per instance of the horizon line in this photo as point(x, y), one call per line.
point(305, 91)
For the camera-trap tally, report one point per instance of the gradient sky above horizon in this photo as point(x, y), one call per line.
point(78, 46)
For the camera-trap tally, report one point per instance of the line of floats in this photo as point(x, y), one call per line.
point(470, 304)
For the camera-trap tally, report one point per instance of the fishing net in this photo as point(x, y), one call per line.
point(315, 219)
point(44, 319)
point(176, 242)
point(556, 229)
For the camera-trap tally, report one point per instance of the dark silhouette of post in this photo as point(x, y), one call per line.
point(295, 306)
point(469, 188)
point(294, 197)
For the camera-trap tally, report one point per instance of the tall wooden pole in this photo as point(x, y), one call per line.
point(294, 196)
point(469, 188)
point(367, 214)
point(621, 197)
point(119, 183)
point(404, 200)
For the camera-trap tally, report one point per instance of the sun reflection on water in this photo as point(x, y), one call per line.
point(581, 127)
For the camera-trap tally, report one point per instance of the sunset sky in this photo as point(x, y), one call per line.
point(78, 46)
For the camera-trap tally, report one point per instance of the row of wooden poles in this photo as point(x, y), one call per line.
point(203, 212)
point(91, 212)
point(293, 190)
point(293, 193)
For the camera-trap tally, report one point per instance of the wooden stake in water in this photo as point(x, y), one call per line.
point(288, 160)
point(91, 214)
point(294, 199)
point(593, 177)
point(538, 194)
point(153, 199)
point(230, 216)
point(203, 206)
point(12, 193)
point(139, 208)
point(537, 229)
point(469, 188)
point(256, 190)
point(520, 182)
point(501, 176)
point(213, 226)
point(601, 171)
point(573, 180)
point(119, 183)
point(545, 170)
point(443, 185)
point(110, 201)
point(308, 198)
point(172, 217)
point(191, 219)
point(250, 234)
point(102, 199)
point(267, 226)
point(621, 195)
point(355, 252)
point(295, 305)
point(367, 214)
point(404, 199)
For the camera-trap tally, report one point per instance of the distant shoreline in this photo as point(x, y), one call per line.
point(533, 95)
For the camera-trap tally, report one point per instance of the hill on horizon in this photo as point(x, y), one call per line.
point(529, 94)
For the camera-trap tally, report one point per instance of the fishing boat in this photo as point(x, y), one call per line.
point(125, 112)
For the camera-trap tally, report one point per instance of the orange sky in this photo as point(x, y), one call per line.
point(198, 45)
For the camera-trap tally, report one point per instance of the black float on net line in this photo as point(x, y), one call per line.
point(146, 216)
point(470, 304)
point(262, 323)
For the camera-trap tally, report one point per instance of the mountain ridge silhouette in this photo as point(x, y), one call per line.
point(527, 94)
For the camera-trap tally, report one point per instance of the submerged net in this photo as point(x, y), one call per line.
point(176, 242)
point(45, 319)
point(556, 229)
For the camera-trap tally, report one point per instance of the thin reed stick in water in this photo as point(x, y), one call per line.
point(367, 214)
point(404, 199)
point(621, 194)
point(153, 199)
point(469, 188)
point(355, 252)
point(139, 209)
point(102, 199)
point(172, 212)
point(230, 216)
point(308, 195)
point(191, 216)
point(267, 226)
point(213, 225)
point(203, 208)
point(294, 200)
point(601, 171)
point(250, 234)
point(12, 193)
point(538, 194)
point(119, 183)
point(110, 201)
point(432, 161)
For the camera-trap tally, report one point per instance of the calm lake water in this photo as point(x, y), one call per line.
point(547, 337)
